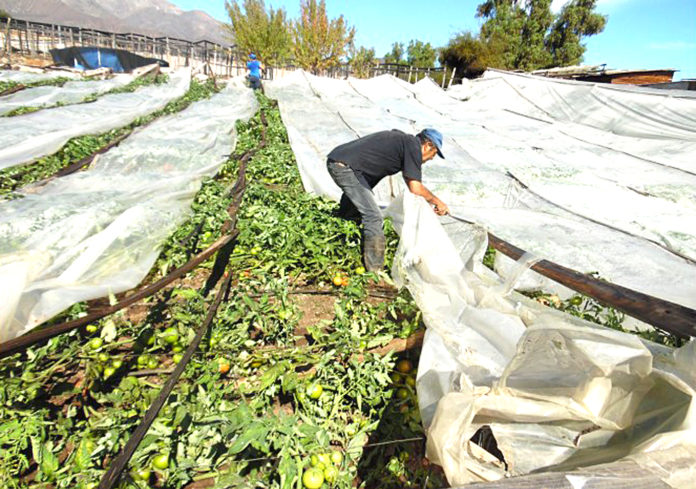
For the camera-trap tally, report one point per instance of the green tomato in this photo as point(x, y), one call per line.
point(337, 457)
point(91, 328)
point(170, 335)
point(313, 478)
point(103, 357)
point(152, 363)
point(177, 357)
point(410, 381)
point(351, 430)
point(360, 270)
point(314, 390)
point(161, 461)
point(109, 371)
point(395, 377)
point(576, 300)
point(403, 393)
point(141, 474)
point(314, 460)
point(324, 459)
point(362, 345)
point(143, 360)
point(117, 363)
point(95, 343)
point(330, 474)
point(177, 348)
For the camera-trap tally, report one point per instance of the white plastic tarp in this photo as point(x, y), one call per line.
point(98, 232)
point(555, 392)
point(69, 93)
point(561, 198)
point(28, 137)
point(26, 77)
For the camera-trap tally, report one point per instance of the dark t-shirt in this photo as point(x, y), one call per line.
point(381, 154)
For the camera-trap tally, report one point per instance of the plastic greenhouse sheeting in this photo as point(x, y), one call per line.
point(28, 137)
point(553, 391)
point(98, 232)
point(70, 93)
point(26, 77)
point(563, 199)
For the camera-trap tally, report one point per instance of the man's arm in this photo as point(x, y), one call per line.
point(418, 188)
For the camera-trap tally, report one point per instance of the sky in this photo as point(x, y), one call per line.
point(639, 34)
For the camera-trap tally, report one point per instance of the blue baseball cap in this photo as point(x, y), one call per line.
point(252, 56)
point(435, 137)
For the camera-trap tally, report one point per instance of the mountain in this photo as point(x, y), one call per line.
point(150, 17)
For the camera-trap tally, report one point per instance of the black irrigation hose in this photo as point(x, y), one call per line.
point(668, 316)
point(112, 476)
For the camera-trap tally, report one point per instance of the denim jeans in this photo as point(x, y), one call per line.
point(255, 82)
point(357, 198)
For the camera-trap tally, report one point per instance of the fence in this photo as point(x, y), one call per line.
point(26, 38)
point(36, 39)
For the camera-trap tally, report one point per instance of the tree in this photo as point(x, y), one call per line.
point(528, 36)
point(469, 55)
point(396, 55)
point(576, 20)
point(265, 33)
point(320, 43)
point(361, 61)
point(421, 55)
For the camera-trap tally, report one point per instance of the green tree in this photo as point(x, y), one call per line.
point(396, 55)
point(469, 55)
point(320, 43)
point(421, 55)
point(576, 20)
point(254, 29)
point(528, 36)
point(4, 14)
point(361, 61)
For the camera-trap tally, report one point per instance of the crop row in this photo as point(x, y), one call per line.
point(292, 383)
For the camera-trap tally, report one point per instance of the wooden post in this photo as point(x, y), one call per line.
point(452, 77)
point(7, 36)
point(113, 41)
point(79, 35)
point(444, 76)
point(72, 37)
point(38, 36)
point(19, 33)
point(410, 72)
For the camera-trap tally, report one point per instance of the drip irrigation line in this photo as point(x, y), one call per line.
point(112, 475)
point(668, 316)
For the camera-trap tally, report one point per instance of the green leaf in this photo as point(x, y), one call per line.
point(256, 431)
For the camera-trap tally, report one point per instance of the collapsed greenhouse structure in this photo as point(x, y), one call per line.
point(509, 389)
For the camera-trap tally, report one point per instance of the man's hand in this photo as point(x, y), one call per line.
point(440, 207)
point(418, 188)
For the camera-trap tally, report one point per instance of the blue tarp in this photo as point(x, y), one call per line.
point(89, 58)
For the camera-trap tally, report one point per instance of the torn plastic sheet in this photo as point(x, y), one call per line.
point(27, 137)
point(553, 392)
point(69, 93)
point(580, 208)
point(98, 232)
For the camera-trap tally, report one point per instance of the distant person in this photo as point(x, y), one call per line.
point(254, 66)
point(358, 166)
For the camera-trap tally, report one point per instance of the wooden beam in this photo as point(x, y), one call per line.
point(674, 318)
